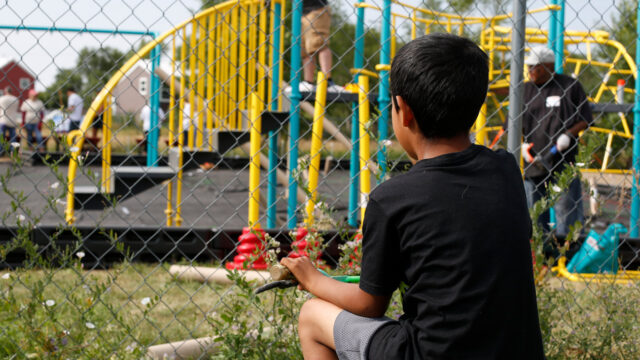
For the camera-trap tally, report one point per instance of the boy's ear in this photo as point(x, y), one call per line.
point(405, 112)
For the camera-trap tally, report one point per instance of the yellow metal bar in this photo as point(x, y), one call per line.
point(106, 138)
point(218, 68)
point(370, 73)
point(252, 54)
point(233, 68)
point(225, 71)
point(192, 84)
point(622, 278)
point(480, 126)
point(607, 131)
point(365, 155)
point(316, 144)
point(254, 166)
point(263, 46)
point(210, 69)
point(202, 42)
point(172, 128)
point(282, 31)
point(183, 74)
point(607, 152)
point(244, 61)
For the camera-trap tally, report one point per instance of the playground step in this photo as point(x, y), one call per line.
point(89, 197)
point(338, 97)
point(125, 181)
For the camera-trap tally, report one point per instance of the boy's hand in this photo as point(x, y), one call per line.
point(303, 270)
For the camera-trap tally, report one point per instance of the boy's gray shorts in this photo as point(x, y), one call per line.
point(352, 333)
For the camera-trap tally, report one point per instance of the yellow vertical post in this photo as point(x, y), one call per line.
point(202, 42)
point(481, 126)
point(244, 65)
point(219, 63)
point(210, 69)
point(316, 144)
point(413, 24)
point(363, 117)
point(105, 139)
point(281, 52)
point(254, 166)
point(253, 40)
point(262, 54)
point(192, 83)
point(183, 55)
point(233, 68)
point(272, 20)
point(107, 143)
point(607, 152)
point(172, 127)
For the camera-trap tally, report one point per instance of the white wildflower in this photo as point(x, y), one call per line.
point(50, 303)
point(6, 276)
point(145, 301)
point(556, 188)
point(80, 254)
point(55, 185)
point(61, 202)
point(580, 164)
point(386, 142)
point(89, 325)
point(21, 217)
point(74, 149)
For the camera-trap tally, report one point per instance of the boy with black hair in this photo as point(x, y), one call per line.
point(453, 231)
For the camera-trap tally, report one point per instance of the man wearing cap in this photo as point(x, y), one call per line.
point(555, 111)
point(33, 109)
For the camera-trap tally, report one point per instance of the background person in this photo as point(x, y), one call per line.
point(10, 118)
point(75, 106)
point(33, 110)
point(145, 115)
point(556, 110)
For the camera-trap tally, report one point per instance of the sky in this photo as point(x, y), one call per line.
point(44, 53)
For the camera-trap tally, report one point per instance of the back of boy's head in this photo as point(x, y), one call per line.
point(443, 78)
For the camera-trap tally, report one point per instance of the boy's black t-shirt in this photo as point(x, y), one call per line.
point(454, 230)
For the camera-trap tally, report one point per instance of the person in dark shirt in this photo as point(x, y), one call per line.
point(452, 233)
point(555, 111)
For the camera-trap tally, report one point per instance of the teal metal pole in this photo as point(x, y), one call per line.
point(635, 197)
point(77, 30)
point(294, 117)
point(559, 42)
point(354, 163)
point(154, 123)
point(384, 99)
point(553, 22)
point(273, 136)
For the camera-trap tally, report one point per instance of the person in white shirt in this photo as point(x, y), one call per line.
point(186, 123)
point(33, 109)
point(145, 115)
point(10, 118)
point(74, 108)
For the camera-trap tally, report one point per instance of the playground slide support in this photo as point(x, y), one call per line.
point(516, 84)
point(154, 126)
point(635, 197)
point(559, 40)
point(294, 119)
point(172, 116)
point(316, 145)
point(384, 99)
point(273, 136)
point(358, 63)
point(365, 154)
point(254, 165)
point(553, 22)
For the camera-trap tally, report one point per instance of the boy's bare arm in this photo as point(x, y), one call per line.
point(346, 296)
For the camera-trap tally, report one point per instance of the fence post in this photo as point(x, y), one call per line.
point(635, 197)
point(516, 84)
point(154, 126)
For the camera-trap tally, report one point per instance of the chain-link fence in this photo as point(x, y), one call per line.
point(151, 149)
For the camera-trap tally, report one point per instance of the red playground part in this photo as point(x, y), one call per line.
point(298, 247)
point(251, 244)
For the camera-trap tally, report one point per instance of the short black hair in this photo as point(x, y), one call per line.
point(443, 78)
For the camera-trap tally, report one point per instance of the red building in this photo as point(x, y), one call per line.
point(16, 77)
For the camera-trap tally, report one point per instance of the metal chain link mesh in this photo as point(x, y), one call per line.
point(148, 146)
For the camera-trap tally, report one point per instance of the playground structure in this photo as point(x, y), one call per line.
point(227, 65)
